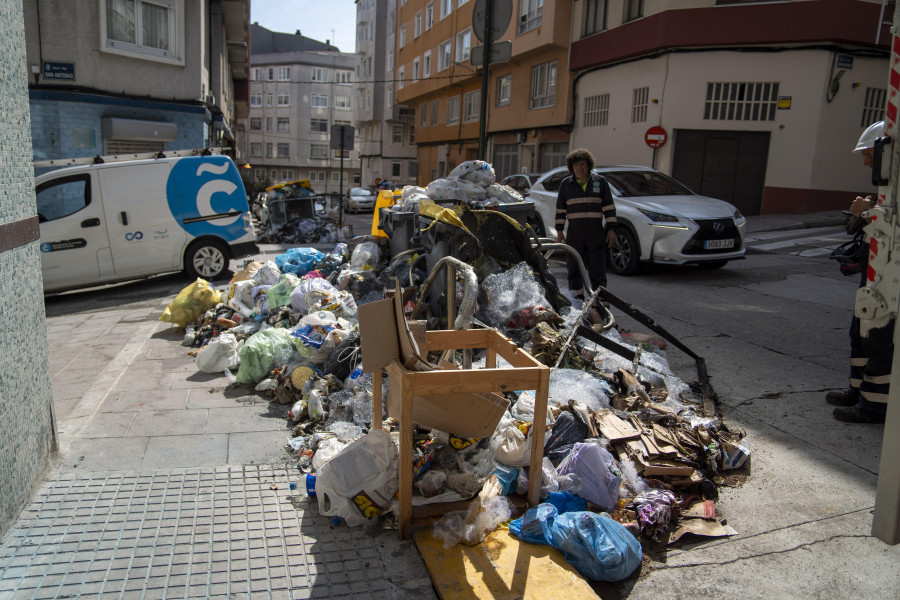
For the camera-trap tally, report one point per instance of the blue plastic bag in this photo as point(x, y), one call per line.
point(298, 261)
point(566, 502)
point(599, 547)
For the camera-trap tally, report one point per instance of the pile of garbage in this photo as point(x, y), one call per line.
point(630, 457)
point(300, 231)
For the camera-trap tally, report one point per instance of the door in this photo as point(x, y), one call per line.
point(729, 165)
point(143, 235)
point(73, 231)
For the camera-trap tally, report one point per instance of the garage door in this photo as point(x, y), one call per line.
point(730, 165)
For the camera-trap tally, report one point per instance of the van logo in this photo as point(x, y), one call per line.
point(137, 235)
point(204, 193)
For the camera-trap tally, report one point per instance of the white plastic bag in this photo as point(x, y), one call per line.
point(221, 353)
point(298, 295)
point(365, 256)
point(510, 446)
point(325, 451)
point(268, 274)
point(360, 482)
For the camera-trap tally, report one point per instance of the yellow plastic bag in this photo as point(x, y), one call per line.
point(190, 303)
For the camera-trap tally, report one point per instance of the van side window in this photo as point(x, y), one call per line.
point(63, 197)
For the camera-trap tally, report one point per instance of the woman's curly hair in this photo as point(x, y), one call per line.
point(577, 155)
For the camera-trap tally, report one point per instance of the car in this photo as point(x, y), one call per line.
point(660, 220)
point(521, 182)
point(358, 199)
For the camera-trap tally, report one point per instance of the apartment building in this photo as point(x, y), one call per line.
point(760, 102)
point(299, 89)
point(386, 132)
point(109, 77)
point(529, 109)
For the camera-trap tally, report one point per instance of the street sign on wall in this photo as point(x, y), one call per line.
point(655, 136)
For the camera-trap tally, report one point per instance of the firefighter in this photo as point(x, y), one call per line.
point(584, 200)
point(865, 401)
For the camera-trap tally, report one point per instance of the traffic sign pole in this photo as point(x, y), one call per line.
point(485, 79)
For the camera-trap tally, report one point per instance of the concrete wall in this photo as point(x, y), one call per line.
point(27, 442)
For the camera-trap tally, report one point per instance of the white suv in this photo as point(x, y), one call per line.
point(660, 220)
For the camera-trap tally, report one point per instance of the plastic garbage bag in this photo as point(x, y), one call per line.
point(360, 482)
point(445, 191)
point(247, 272)
point(503, 193)
point(367, 255)
point(191, 302)
point(298, 295)
point(298, 261)
point(506, 293)
point(262, 351)
point(326, 450)
point(599, 473)
point(477, 171)
point(431, 482)
point(597, 546)
point(344, 358)
point(280, 293)
point(509, 444)
point(654, 510)
point(267, 274)
point(567, 431)
point(221, 353)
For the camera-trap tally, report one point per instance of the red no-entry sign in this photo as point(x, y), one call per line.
point(655, 137)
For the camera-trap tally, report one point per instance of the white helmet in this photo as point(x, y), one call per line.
point(868, 137)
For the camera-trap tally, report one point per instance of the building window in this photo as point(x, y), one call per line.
point(270, 75)
point(256, 100)
point(320, 75)
point(318, 100)
point(268, 123)
point(287, 175)
point(634, 9)
point(318, 126)
point(315, 176)
point(444, 55)
point(318, 151)
point(530, 12)
point(395, 168)
point(463, 45)
point(596, 110)
point(873, 108)
point(413, 169)
point(543, 85)
point(453, 110)
point(338, 153)
point(551, 156)
point(257, 74)
point(471, 106)
point(342, 102)
point(504, 87)
point(343, 77)
point(423, 114)
point(392, 22)
point(397, 134)
point(390, 61)
point(595, 17)
point(269, 151)
point(284, 125)
point(429, 15)
point(284, 150)
point(434, 112)
point(415, 73)
point(401, 75)
point(417, 27)
point(256, 149)
point(402, 41)
point(426, 65)
point(274, 175)
point(506, 159)
point(639, 99)
point(284, 73)
point(740, 101)
point(284, 100)
point(150, 29)
point(255, 124)
point(268, 99)
point(446, 7)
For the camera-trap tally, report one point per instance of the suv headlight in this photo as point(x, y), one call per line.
point(658, 217)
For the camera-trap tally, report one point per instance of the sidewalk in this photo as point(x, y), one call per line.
point(172, 485)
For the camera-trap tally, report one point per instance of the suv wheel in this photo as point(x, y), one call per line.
point(624, 256)
point(537, 226)
point(206, 259)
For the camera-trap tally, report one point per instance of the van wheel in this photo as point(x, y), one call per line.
point(206, 259)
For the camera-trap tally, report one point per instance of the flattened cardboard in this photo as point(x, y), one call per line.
point(705, 509)
point(614, 428)
point(701, 527)
point(378, 335)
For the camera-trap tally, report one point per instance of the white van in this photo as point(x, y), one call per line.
point(123, 220)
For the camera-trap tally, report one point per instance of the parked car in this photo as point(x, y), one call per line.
point(660, 220)
point(521, 182)
point(357, 199)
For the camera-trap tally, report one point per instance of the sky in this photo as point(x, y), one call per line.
point(314, 18)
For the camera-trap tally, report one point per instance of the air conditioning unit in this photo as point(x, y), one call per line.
point(210, 99)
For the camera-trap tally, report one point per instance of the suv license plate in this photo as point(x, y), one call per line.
point(716, 244)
